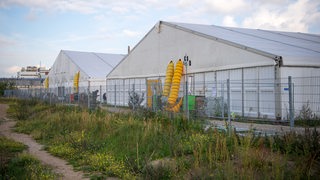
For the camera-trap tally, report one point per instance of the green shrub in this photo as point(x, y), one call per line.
point(10, 146)
point(8, 149)
point(25, 166)
point(15, 165)
point(108, 165)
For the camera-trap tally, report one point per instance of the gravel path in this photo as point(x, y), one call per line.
point(263, 128)
point(59, 166)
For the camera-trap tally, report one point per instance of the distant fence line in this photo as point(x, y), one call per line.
point(290, 99)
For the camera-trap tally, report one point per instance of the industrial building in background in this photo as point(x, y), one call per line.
point(33, 72)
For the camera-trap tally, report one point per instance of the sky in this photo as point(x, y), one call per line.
point(32, 32)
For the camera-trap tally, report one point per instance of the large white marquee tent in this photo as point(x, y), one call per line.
point(260, 60)
point(92, 67)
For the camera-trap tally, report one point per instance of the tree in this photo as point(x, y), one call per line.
point(6, 85)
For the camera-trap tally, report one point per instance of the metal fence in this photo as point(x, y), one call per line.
point(285, 100)
point(86, 97)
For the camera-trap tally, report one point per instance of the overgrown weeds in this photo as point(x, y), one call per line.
point(306, 117)
point(154, 146)
point(18, 165)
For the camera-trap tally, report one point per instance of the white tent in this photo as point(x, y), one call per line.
point(264, 59)
point(93, 68)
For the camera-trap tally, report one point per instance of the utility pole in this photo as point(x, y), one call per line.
point(186, 63)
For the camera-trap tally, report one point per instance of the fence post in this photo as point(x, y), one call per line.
point(78, 94)
point(100, 94)
point(49, 96)
point(258, 98)
point(242, 92)
point(228, 100)
point(222, 100)
point(133, 90)
point(69, 95)
point(88, 95)
point(115, 95)
point(187, 99)
point(291, 110)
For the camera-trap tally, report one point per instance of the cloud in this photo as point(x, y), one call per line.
point(32, 15)
point(297, 16)
point(6, 41)
point(229, 21)
point(12, 69)
point(131, 33)
point(85, 7)
point(222, 6)
point(90, 7)
point(27, 3)
point(81, 6)
point(187, 3)
point(119, 9)
point(76, 38)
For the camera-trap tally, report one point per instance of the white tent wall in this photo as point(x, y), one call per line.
point(62, 74)
point(63, 71)
point(164, 43)
point(91, 65)
point(252, 90)
point(117, 90)
point(306, 88)
point(257, 77)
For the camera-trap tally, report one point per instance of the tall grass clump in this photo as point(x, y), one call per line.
point(8, 150)
point(18, 165)
point(303, 147)
point(152, 145)
point(22, 109)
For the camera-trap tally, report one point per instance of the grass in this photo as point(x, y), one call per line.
point(18, 165)
point(152, 146)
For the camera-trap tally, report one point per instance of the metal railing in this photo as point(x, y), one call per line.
point(285, 100)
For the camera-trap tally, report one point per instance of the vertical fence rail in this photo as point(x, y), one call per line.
point(229, 104)
point(291, 96)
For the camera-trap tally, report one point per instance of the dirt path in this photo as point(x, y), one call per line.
point(263, 128)
point(60, 166)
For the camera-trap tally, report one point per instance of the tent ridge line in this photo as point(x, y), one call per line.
point(101, 59)
point(237, 45)
point(66, 54)
point(280, 33)
point(268, 39)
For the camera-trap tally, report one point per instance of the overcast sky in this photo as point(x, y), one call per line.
point(34, 31)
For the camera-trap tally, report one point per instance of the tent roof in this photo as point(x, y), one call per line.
point(95, 65)
point(295, 49)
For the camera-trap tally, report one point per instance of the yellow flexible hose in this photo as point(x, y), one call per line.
point(176, 107)
point(175, 83)
point(168, 80)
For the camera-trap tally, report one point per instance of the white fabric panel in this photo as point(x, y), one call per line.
point(93, 67)
point(293, 47)
point(152, 54)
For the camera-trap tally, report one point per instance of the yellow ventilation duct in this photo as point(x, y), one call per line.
point(175, 83)
point(168, 80)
